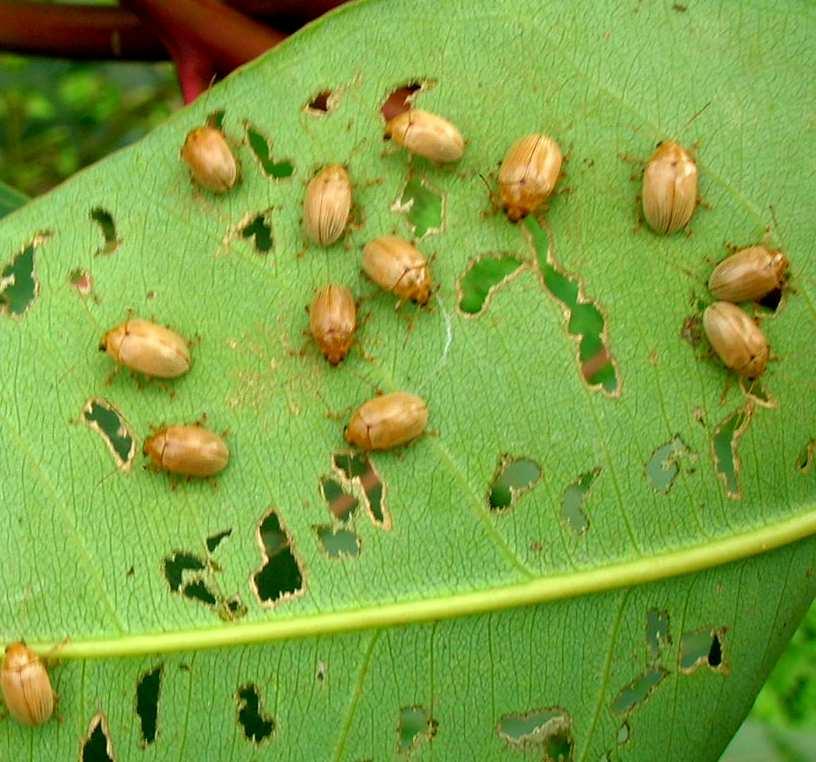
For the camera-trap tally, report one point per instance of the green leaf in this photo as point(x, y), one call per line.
point(634, 594)
point(10, 199)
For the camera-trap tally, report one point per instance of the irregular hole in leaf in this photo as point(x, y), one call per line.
point(259, 230)
point(703, 648)
point(262, 149)
point(573, 514)
point(756, 392)
point(257, 726)
point(18, 281)
point(197, 590)
point(97, 746)
point(658, 632)
point(400, 100)
point(321, 103)
point(482, 278)
point(280, 576)
point(338, 543)
point(104, 219)
point(415, 726)
point(215, 119)
point(147, 703)
point(81, 280)
point(214, 540)
point(179, 562)
point(662, 467)
point(341, 504)
point(550, 727)
point(771, 300)
point(513, 478)
point(805, 459)
point(107, 421)
point(232, 608)
point(423, 207)
point(635, 693)
point(725, 448)
point(624, 734)
point(358, 469)
point(585, 322)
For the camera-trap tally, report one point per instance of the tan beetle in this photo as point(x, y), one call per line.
point(393, 264)
point(327, 204)
point(748, 275)
point(528, 174)
point(736, 338)
point(332, 321)
point(669, 188)
point(26, 686)
point(187, 451)
point(148, 348)
point(426, 134)
point(387, 421)
point(211, 162)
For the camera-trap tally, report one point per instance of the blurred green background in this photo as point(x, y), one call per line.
point(57, 117)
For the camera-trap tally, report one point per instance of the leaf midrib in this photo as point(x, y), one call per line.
point(539, 590)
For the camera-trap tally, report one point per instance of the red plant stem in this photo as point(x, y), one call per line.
point(80, 32)
point(225, 36)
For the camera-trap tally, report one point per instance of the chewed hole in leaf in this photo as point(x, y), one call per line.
point(805, 459)
point(97, 746)
point(259, 230)
point(256, 725)
point(771, 300)
point(703, 648)
point(658, 632)
point(262, 149)
point(280, 576)
point(423, 207)
point(514, 477)
point(215, 119)
point(321, 103)
point(725, 444)
point(341, 504)
point(585, 321)
point(107, 421)
point(573, 514)
point(147, 703)
point(198, 590)
point(483, 276)
point(358, 469)
point(662, 467)
point(104, 219)
point(338, 543)
point(81, 280)
point(232, 608)
point(415, 726)
point(635, 693)
point(400, 100)
point(214, 540)
point(179, 562)
point(18, 281)
point(550, 728)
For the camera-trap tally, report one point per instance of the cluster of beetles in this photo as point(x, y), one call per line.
point(527, 178)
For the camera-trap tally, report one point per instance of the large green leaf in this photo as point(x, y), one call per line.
point(622, 604)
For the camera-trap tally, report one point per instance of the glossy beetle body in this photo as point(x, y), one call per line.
point(392, 263)
point(210, 160)
point(528, 174)
point(736, 339)
point(332, 321)
point(748, 275)
point(147, 348)
point(387, 421)
point(327, 204)
point(426, 134)
point(669, 188)
point(187, 451)
point(26, 686)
